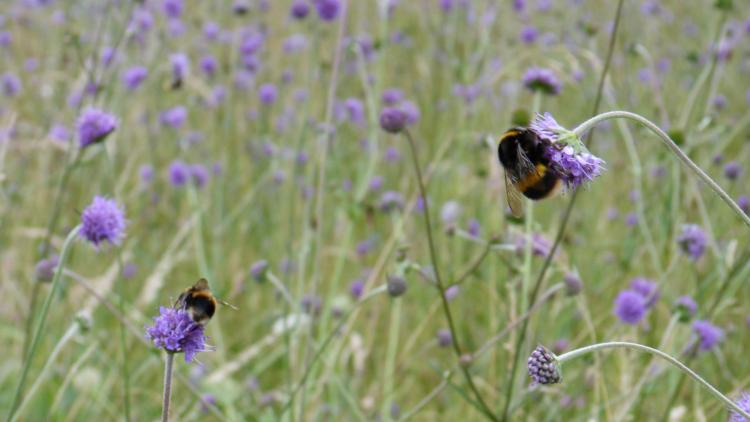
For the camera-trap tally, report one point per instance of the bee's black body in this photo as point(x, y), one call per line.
point(198, 301)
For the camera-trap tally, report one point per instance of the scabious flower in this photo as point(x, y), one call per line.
point(542, 366)
point(179, 173)
point(686, 307)
point(133, 77)
point(180, 66)
point(743, 201)
point(391, 200)
point(646, 288)
point(94, 125)
point(692, 241)
point(542, 80)
point(199, 174)
point(709, 335)
point(569, 158)
point(176, 332)
point(630, 307)
point(174, 117)
point(45, 269)
point(258, 270)
point(573, 283)
point(393, 119)
point(744, 404)
point(732, 170)
point(11, 85)
point(300, 9)
point(444, 338)
point(328, 10)
point(267, 94)
point(103, 220)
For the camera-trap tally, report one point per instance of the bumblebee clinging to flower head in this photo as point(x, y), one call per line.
point(199, 302)
point(527, 168)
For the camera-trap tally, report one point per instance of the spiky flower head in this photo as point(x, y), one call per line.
point(176, 332)
point(542, 365)
point(103, 220)
point(692, 241)
point(744, 404)
point(94, 125)
point(569, 158)
point(630, 307)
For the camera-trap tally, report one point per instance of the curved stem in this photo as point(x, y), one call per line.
point(588, 124)
point(42, 319)
point(167, 386)
point(438, 279)
point(627, 345)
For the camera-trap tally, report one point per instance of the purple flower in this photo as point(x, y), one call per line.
point(300, 9)
point(328, 10)
point(529, 34)
point(147, 173)
point(108, 56)
point(630, 307)
point(475, 228)
point(211, 30)
point(357, 288)
point(45, 269)
point(686, 306)
point(391, 201)
point(542, 80)
point(129, 270)
point(59, 132)
point(411, 110)
point(133, 77)
point(692, 241)
point(444, 338)
point(393, 120)
point(174, 117)
point(179, 173)
point(267, 94)
point(540, 245)
point(103, 220)
point(732, 170)
point(251, 43)
point(542, 367)
point(452, 291)
point(176, 332)
point(450, 212)
point(208, 65)
point(573, 283)
point(180, 66)
point(94, 125)
point(258, 270)
point(709, 335)
point(744, 404)
point(646, 288)
point(743, 201)
point(11, 85)
point(173, 8)
point(355, 110)
point(391, 96)
point(199, 174)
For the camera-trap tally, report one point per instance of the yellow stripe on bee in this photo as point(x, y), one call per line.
point(532, 178)
point(509, 134)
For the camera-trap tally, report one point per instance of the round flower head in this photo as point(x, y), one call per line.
point(267, 94)
point(568, 156)
point(328, 10)
point(692, 241)
point(744, 404)
point(393, 120)
point(176, 332)
point(102, 220)
point(94, 125)
point(300, 9)
point(542, 80)
point(630, 307)
point(646, 288)
point(133, 77)
point(179, 173)
point(542, 366)
point(686, 307)
point(709, 335)
point(258, 270)
point(174, 117)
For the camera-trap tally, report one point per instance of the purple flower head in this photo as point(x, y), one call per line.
point(173, 8)
point(328, 10)
point(686, 307)
point(450, 212)
point(542, 367)
point(411, 110)
point(475, 228)
point(267, 94)
point(94, 125)
point(211, 30)
point(709, 335)
point(540, 245)
point(573, 283)
point(743, 201)
point(452, 291)
point(392, 155)
point(133, 77)
point(258, 270)
point(444, 338)
point(240, 7)
point(129, 270)
point(6, 38)
point(199, 174)
point(174, 117)
point(251, 43)
point(147, 173)
point(529, 34)
point(744, 404)
point(357, 288)
point(732, 170)
point(59, 132)
point(446, 5)
point(692, 241)
point(108, 56)
point(180, 66)
point(391, 201)
point(646, 288)
point(179, 173)
point(300, 9)
point(355, 110)
point(542, 80)
point(393, 120)
point(45, 269)
point(103, 220)
point(11, 85)
point(391, 96)
point(630, 307)
point(176, 332)
point(208, 65)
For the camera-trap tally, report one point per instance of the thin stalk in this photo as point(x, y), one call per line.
point(627, 345)
point(390, 359)
point(438, 279)
point(123, 341)
point(583, 127)
point(566, 215)
point(167, 387)
point(42, 320)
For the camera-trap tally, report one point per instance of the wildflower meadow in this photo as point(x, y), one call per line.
point(375, 210)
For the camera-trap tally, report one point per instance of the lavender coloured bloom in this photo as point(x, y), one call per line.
point(391, 96)
point(208, 65)
point(391, 201)
point(300, 9)
point(11, 84)
point(450, 212)
point(475, 228)
point(45, 269)
point(328, 10)
point(732, 170)
point(393, 120)
point(173, 8)
point(103, 220)
point(199, 174)
point(573, 283)
point(411, 110)
point(529, 34)
point(355, 110)
point(59, 132)
point(179, 173)
point(709, 335)
point(686, 306)
point(646, 288)
point(176, 332)
point(542, 367)
point(744, 403)
point(452, 291)
point(174, 117)
point(692, 241)
point(357, 288)
point(180, 66)
point(147, 173)
point(94, 125)
point(267, 94)
point(630, 307)
point(542, 80)
point(743, 201)
point(444, 338)
point(211, 30)
point(133, 77)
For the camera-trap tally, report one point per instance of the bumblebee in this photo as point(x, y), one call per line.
point(199, 302)
point(527, 172)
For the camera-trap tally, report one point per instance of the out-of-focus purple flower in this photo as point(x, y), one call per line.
point(300, 9)
point(646, 288)
point(391, 201)
point(444, 338)
point(357, 288)
point(452, 292)
point(529, 34)
point(542, 367)
point(207, 401)
point(179, 173)
point(94, 125)
point(364, 247)
point(732, 170)
point(174, 117)
point(6, 38)
point(744, 403)
point(129, 270)
point(631, 219)
point(134, 76)
point(446, 5)
point(176, 332)
point(450, 212)
point(328, 10)
point(376, 183)
point(393, 120)
point(692, 241)
point(208, 65)
point(251, 43)
point(709, 335)
point(108, 56)
point(311, 303)
point(211, 30)
point(45, 269)
point(743, 201)
point(180, 66)
point(103, 220)
point(630, 307)
point(199, 174)
point(412, 112)
point(573, 283)
point(240, 7)
point(173, 8)
point(355, 110)
point(259, 270)
point(147, 173)
point(142, 20)
point(11, 84)
point(391, 96)
point(31, 64)
point(176, 28)
point(519, 5)
point(392, 155)
point(475, 228)
point(267, 94)
point(295, 43)
point(686, 306)
point(720, 102)
point(59, 132)
point(542, 80)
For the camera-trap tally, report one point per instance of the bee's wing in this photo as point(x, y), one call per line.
point(180, 302)
point(513, 196)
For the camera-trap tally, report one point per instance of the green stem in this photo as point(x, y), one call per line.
point(167, 397)
point(588, 124)
point(622, 344)
point(438, 279)
point(123, 341)
point(42, 320)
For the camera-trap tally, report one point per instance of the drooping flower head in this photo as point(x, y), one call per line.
point(630, 307)
point(744, 404)
point(103, 220)
point(709, 335)
point(542, 366)
point(94, 125)
point(542, 80)
point(569, 158)
point(176, 332)
point(692, 241)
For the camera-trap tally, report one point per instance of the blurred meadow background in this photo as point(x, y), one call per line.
point(245, 146)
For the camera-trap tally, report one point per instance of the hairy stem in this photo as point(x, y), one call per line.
point(168, 364)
